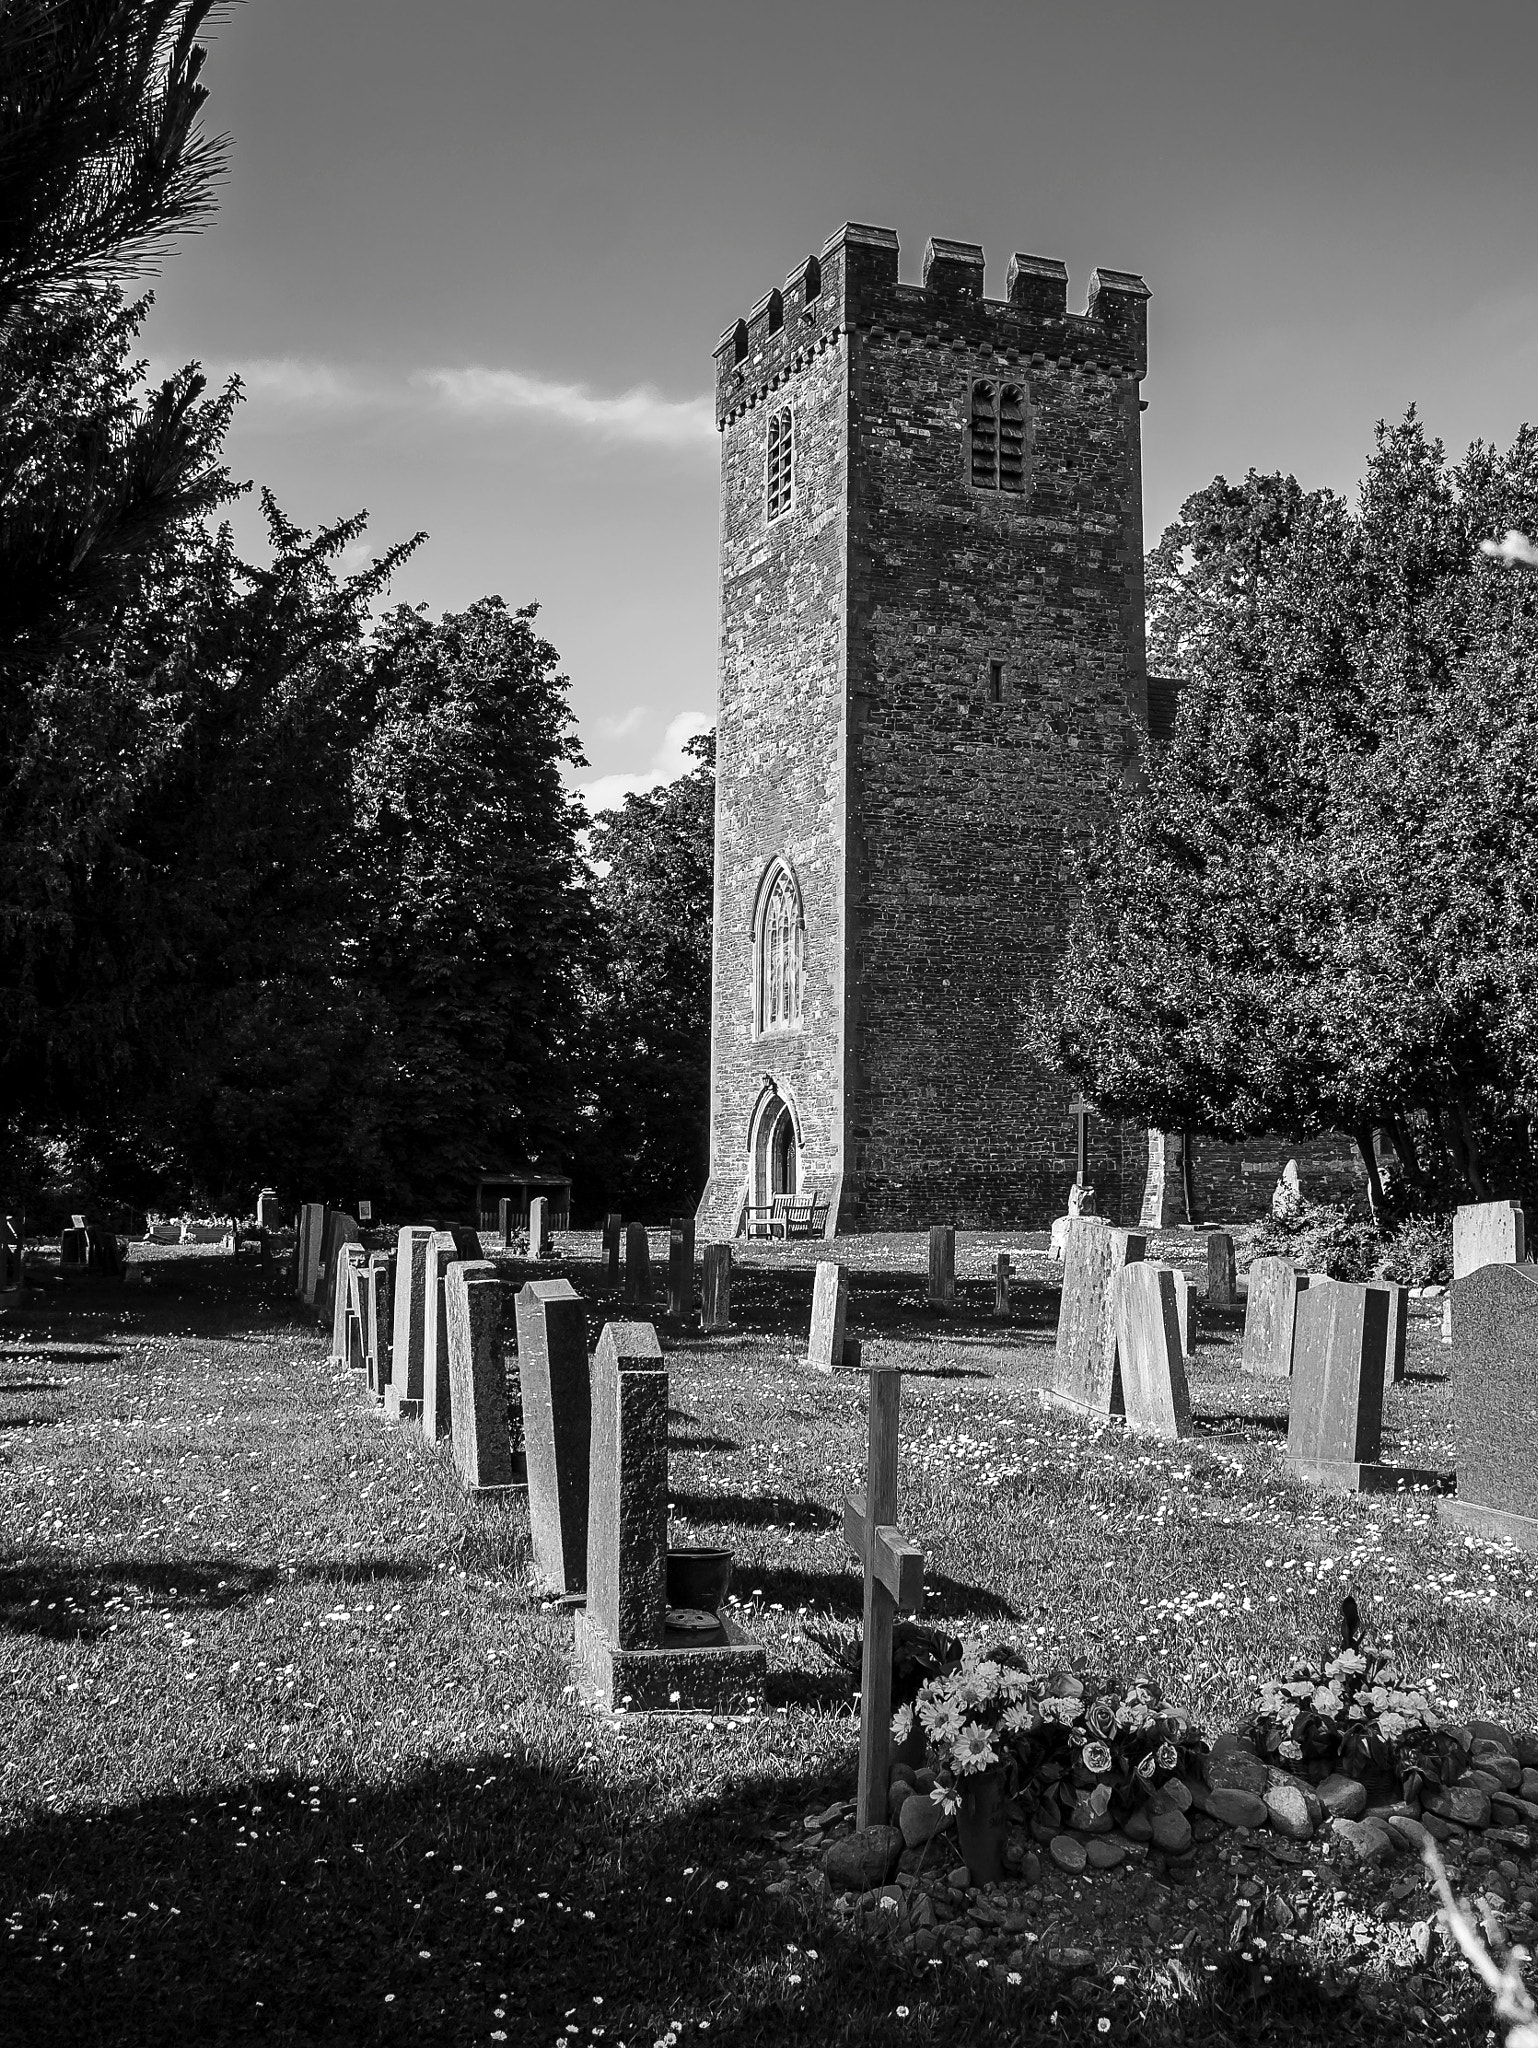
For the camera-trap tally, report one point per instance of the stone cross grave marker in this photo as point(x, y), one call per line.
point(1086, 1372)
point(1495, 1404)
point(1222, 1278)
point(1078, 1109)
point(893, 1570)
point(942, 1266)
point(1270, 1317)
point(379, 1299)
point(403, 1389)
point(638, 1263)
point(557, 1425)
point(539, 1228)
point(681, 1268)
point(716, 1287)
point(830, 1307)
point(1001, 1272)
point(1146, 1320)
point(472, 1302)
point(1335, 1419)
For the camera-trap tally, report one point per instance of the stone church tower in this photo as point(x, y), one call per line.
point(932, 683)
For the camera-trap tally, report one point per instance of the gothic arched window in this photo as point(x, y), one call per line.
point(780, 949)
point(780, 467)
point(996, 437)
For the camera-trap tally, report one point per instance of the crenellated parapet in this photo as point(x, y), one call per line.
point(853, 288)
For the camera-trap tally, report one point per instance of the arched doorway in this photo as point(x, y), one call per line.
point(776, 1156)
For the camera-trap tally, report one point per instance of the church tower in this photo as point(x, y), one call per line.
point(932, 685)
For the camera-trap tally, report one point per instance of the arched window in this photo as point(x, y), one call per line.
point(781, 444)
point(996, 437)
point(780, 947)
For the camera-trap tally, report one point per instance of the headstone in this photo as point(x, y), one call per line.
point(444, 1247)
point(539, 1228)
point(942, 1266)
point(638, 1264)
point(72, 1248)
point(268, 1215)
point(365, 1212)
point(613, 1238)
point(379, 1300)
point(472, 1301)
point(1287, 1195)
point(312, 1224)
point(1085, 1370)
point(1222, 1279)
point(349, 1256)
point(893, 1571)
point(1164, 1199)
point(357, 1313)
point(505, 1222)
point(1183, 1309)
point(716, 1288)
point(403, 1389)
point(681, 1268)
point(1001, 1272)
point(341, 1230)
point(1270, 1317)
point(1487, 1234)
point(557, 1422)
point(1153, 1373)
point(1081, 1202)
point(1398, 1329)
point(626, 1651)
point(1495, 1404)
point(830, 1306)
point(1340, 1343)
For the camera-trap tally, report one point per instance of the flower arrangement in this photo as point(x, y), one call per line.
point(1069, 1743)
point(1355, 1713)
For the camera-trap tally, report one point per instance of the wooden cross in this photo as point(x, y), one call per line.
point(894, 1584)
point(1079, 1109)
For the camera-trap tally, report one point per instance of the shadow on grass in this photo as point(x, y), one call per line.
point(1236, 1424)
point(33, 1387)
point(769, 1510)
point(703, 1443)
point(78, 1604)
point(30, 1421)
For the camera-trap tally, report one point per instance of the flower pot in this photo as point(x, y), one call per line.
point(698, 1578)
point(982, 1825)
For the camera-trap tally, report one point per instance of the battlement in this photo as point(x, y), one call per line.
point(853, 288)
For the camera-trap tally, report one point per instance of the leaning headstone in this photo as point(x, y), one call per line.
point(349, 1257)
point(1182, 1304)
point(1085, 1369)
point(638, 1263)
point(505, 1222)
point(1001, 1272)
point(1335, 1420)
point(942, 1266)
point(681, 1268)
point(1153, 1373)
point(613, 1238)
point(716, 1287)
point(557, 1422)
point(627, 1650)
point(1495, 1404)
point(539, 1228)
point(312, 1224)
point(830, 1306)
point(378, 1300)
point(1270, 1317)
point(403, 1390)
point(268, 1214)
point(1487, 1234)
point(1222, 1279)
point(472, 1300)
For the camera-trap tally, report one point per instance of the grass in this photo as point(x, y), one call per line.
point(292, 1753)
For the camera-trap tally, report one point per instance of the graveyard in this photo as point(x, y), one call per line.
point(301, 1741)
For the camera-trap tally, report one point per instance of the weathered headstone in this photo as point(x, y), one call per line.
point(1001, 1272)
point(379, 1302)
point(830, 1306)
point(1182, 1303)
point(539, 1228)
point(1487, 1234)
point(1222, 1278)
point(505, 1222)
point(472, 1303)
point(638, 1263)
point(312, 1225)
point(893, 1571)
point(1085, 1369)
point(681, 1268)
point(339, 1229)
point(444, 1247)
point(1335, 1420)
point(1164, 1199)
point(348, 1257)
point(557, 1423)
point(1495, 1404)
point(716, 1287)
point(942, 1266)
point(1270, 1317)
point(626, 1650)
point(613, 1238)
point(1146, 1321)
point(403, 1389)
point(268, 1215)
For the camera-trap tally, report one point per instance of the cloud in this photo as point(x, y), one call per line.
point(298, 383)
point(608, 792)
point(625, 724)
point(640, 414)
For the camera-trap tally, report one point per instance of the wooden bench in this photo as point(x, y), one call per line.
point(789, 1216)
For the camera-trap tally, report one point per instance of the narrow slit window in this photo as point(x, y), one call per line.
point(995, 682)
point(1011, 440)
point(781, 444)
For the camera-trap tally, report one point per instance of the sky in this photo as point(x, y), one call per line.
point(472, 258)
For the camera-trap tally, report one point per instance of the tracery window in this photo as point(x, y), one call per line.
point(781, 952)
point(996, 437)
point(781, 444)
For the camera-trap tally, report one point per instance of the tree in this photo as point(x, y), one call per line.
point(648, 1140)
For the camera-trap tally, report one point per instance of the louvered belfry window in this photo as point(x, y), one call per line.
point(781, 445)
point(997, 436)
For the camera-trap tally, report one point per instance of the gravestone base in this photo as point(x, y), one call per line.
point(1049, 1397)
point(718, 1674)
point(397, 1410)
point(1344, 1478)
point(1522, 1530)
point(519, 1483)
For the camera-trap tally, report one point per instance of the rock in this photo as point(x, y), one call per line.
point(863, 1860)
point(1529, 1785)
point(1343, 1798)
point(1422, 1936)
point(1527, 1751)
point(1279, 1915)
point(921, 1820)
point(1138, 1826)
point(1499, 1763)
point(1234, 1770)
point(1288, 1808)
point(1068, 1854)
point(1238, 1809)
point(959, 1879)
point(1408, 1833)
point(1084, 1821)
point(1493, 1735)
point(1103, 1855)
point(1464, 1803)
point(924, 1781)
point(1366, 1841)
point(1176, 1793)
point(1070, 1958)
point(1171, 1831)
point(896, 1798)
point(923, 1911)
point(1440, 1830)
point(1488, 1782)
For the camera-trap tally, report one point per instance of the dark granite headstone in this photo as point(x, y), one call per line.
point(638, 1263)
point(472, 1305)
point(1270, 1316)
point(403, 1389)
point(1222, 1278)
point(716, 1287)
point(830, 1306)
point(72, 1248)
point(627, 1526)
point(539, 1228)
point(268, 1214)
point(613, 1238)
point(1495, 1403)
point(1398, 1328)
point(1335, 1421)
point(308, 1249)
point(681, 1268)
point(505, 1222)
point(942, 1266)
point(557, 1425)
point(339, 1229)
point(1085, 1370)
point(1146, 1320)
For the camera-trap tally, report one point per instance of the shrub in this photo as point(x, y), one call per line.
point(1323, 1237)
point(1419, 1253)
